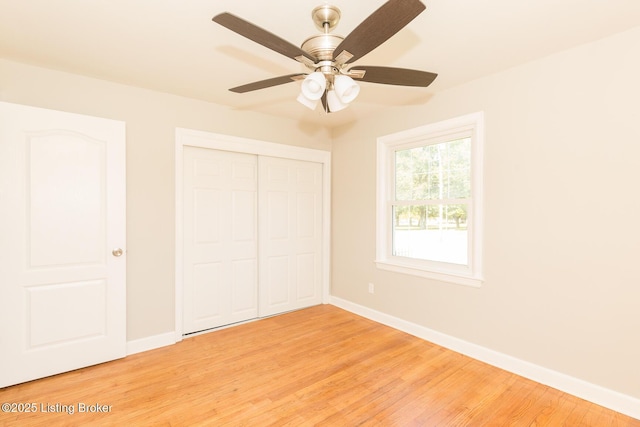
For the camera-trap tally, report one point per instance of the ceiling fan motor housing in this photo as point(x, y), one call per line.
point(322, 46)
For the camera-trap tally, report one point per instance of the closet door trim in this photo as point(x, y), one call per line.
point(193, 138)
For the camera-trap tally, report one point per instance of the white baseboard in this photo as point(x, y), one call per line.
point(616, 401)
point(150, 343)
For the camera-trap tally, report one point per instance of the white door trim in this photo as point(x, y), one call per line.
point(195, 138)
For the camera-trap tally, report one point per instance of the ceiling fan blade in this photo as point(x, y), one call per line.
point(395, 76)
point(263, 84)
point(260, 36)
point(390, 18)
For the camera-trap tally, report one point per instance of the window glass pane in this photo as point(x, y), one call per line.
point(457, 169)
point(431, 172)
point(411, 167)
point(431, 232)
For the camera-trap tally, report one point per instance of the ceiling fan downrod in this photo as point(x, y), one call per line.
point(321, 46)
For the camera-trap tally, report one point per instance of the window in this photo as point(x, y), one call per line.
point(430, 201)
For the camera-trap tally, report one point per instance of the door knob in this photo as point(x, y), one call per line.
point(117, 252)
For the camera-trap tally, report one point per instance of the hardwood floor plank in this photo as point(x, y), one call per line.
point(561, 409)
point(528, 407)
point(479, 396)
point(319, 366)
point(509, 403)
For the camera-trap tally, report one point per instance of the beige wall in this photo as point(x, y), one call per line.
point(151, 119)
point(562, 235)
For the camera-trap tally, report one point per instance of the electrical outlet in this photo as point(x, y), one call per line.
point(371, 289)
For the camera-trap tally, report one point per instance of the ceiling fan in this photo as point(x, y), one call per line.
point(329, 56)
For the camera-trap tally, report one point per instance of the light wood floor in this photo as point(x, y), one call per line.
point(319, 366)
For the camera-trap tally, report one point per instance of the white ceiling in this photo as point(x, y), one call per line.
point(173, 46)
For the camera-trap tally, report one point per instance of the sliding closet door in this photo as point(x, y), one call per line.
point(290, 234)
point(220, 238)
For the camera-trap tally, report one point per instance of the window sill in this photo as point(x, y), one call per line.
point(457, 279)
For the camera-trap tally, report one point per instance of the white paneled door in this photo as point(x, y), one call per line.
point(252, 236)
point(290, 199)
point(220, 238)
point(62, 245)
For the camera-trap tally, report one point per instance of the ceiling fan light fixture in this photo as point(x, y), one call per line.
point(334, 103)
point(328, 56)
point(309, 103)
point(314, 86)
point(346, 88)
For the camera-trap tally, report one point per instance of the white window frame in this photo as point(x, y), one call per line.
point(470, 274)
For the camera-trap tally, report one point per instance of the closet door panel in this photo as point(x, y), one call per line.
point(290, 230)
point(220, 238)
